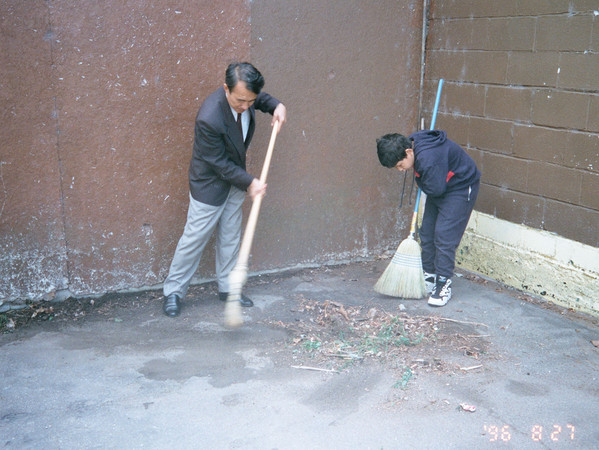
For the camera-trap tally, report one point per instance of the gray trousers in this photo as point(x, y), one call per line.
point(202, 220)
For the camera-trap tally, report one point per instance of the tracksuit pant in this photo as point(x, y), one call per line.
point(443, 224)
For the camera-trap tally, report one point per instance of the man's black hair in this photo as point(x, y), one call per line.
point(244, 71)
point(391, 148)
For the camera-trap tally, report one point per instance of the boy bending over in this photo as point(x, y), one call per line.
point(450, 179)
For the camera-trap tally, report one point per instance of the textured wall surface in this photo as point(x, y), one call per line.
point(349, 72)
point(99, 101)
point(32, 239)
point(545, 264)
point(522, 96)
point(131, 77)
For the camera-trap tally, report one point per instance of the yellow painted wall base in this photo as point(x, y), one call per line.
point(562, 271)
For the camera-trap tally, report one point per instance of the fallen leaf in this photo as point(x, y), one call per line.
point(466, 407)
point(343, 312)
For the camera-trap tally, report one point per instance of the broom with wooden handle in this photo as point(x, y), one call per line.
point(404, 276)
point(238, 275)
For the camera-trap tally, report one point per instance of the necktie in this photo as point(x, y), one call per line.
point(239, 125)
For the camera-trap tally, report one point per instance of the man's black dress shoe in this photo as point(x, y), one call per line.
point(243, 300)
point(172, 305)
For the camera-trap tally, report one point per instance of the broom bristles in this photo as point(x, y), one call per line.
point(233, 318)
point(403, 277)
point(237, 277)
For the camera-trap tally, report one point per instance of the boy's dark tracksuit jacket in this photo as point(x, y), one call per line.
point(450, 179)
point(440, 164)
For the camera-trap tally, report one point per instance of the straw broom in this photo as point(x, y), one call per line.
point(404, 276)
point(238, 275)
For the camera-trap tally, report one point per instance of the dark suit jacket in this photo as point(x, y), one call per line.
point(218, 159)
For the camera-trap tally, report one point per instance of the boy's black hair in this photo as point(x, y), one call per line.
point(391, 148)
point(243, 71)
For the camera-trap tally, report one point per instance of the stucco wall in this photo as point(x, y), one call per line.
point(349, 72)
point(99, 100)
point(32, 240)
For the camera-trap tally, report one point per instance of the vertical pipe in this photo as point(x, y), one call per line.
point(422, 71)
point(423, 54)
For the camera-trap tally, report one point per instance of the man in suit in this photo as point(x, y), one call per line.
point(218, 180)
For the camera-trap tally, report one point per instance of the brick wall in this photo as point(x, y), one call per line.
point(521, 94)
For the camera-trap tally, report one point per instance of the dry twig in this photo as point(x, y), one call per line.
point(315, 368)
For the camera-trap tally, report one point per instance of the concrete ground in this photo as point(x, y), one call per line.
point(123, 375)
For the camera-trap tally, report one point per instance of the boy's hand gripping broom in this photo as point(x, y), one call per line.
point(404, 276)
point(238, 275)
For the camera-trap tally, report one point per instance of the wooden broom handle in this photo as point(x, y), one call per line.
point(248, 236)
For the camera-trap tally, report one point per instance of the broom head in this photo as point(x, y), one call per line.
point(404, 276)
point(233, 318)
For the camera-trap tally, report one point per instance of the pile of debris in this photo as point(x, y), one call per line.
point(336, 336)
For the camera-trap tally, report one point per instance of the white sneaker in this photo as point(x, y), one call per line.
point(429, 282)
point(442, 293)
